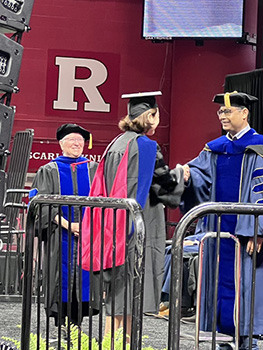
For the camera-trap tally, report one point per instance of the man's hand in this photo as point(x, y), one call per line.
point(250, 245)
point(186, 172)
point(74, 228)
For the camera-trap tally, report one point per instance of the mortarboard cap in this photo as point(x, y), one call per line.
point(235, 99)
point(66, 129)
point(141, 102)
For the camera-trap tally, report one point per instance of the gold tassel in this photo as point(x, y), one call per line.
point(90, 141)
point(227, 98)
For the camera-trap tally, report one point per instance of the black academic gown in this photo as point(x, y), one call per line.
point(64, 176)
point(164, 188)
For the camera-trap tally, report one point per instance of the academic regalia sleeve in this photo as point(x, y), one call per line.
point(43, 181)
point(92, 169)
point(251, 192)
point(46, 182)
point(197, 189)
point(167, 185)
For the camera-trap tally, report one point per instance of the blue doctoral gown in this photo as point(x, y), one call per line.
point(229, 171)
point(65, 176)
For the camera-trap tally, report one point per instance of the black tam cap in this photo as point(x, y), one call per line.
point(141, 102)
point(66, 129)
point(235, 99)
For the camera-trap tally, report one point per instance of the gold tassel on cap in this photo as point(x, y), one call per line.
point(90, 141)
point(227, 98)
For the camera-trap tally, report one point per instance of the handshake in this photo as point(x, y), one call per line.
point(186, 169)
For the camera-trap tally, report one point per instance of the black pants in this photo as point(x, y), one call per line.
point(74, 312)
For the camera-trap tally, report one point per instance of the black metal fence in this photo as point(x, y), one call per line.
point(42, 205)
point(12, 206)
point(218, 210)
point(12, 235)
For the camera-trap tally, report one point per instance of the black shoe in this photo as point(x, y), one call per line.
point(189, 320)
point(187, 312)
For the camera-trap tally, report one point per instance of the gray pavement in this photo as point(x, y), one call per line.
point(155, 330)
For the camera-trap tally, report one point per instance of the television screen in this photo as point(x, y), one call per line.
point(167, 19)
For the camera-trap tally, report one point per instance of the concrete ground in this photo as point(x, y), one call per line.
point(155, 330)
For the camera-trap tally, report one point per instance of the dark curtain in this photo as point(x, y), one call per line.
point(250, 83)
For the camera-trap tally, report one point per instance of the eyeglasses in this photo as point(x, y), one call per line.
point(227, 112)
point(74, 139)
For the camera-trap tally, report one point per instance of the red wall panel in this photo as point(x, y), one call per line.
point(188, 75)
point(198, 74)
point(95, 29)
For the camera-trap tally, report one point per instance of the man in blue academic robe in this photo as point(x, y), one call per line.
point(69, 174)
point(230, 169)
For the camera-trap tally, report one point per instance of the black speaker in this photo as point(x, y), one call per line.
point(7, 115)
point(10, 61)
point(15, 15)
point(3, 181)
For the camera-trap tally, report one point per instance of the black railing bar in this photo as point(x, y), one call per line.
point(79, 273)
point(138, 290)
point(125, 280)
point(113, 280)
point(91, 225)
point(12, 231)
point(214, 325)
point(131, 204)
point(27, 288)
point(102, 202)
point(48, 277)
point(59, 275)
point(217, 208)
point(17, 190)
point(39, 277)
point(15, 205)
point(177, 253)
point(237, 297)
point(70, 265)
point(101, 278)
point(237, 268)
point(253, 285)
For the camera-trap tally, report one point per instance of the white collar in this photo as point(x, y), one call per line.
point(239, 134)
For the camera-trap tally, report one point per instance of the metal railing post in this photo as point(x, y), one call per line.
point(135, 212)
point(177, 256)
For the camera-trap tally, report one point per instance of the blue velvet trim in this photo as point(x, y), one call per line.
point(147, 157)
point(258, 188)
point(32, 193)
point(224, 145)
point(66, 185)
point(66, 188)
point(257, 173)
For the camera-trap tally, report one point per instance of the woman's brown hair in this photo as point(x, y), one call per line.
point(140, 124)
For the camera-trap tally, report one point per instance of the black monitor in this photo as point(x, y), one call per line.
point(168, 19)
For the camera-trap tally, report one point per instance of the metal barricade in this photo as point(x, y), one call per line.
point(213, 338)
point(134, 219)
point(217, 209)
point(12, 231)
point(12, 212)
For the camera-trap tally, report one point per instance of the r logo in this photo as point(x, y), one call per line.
point(67, 82)
point(83, 86)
